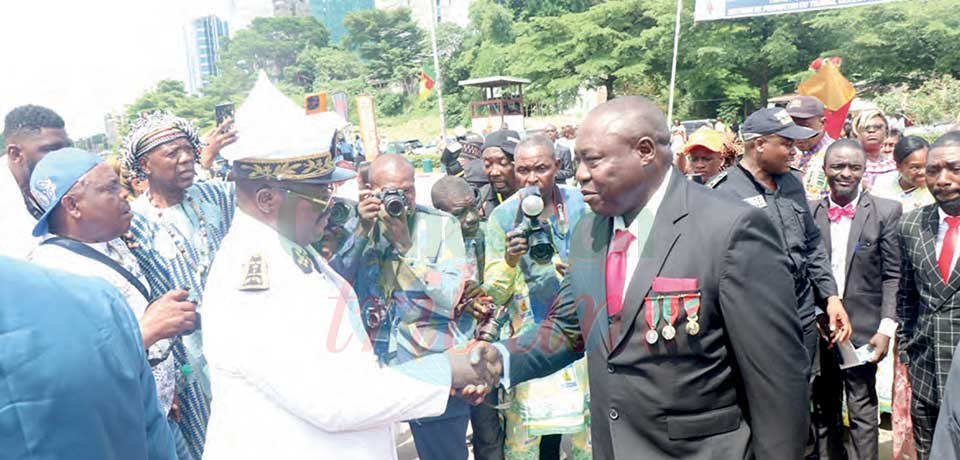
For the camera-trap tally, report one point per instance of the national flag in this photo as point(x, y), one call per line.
point(426, 82)
point(833, 89)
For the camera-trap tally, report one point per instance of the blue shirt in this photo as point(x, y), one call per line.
point(74, 379)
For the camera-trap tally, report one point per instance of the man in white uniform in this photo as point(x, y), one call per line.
point(30, 132)
point(292, 371)
point(86, 212)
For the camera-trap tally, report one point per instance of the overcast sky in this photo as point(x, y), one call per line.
point(83, 58)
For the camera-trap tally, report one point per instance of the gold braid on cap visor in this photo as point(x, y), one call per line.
point(305, 167)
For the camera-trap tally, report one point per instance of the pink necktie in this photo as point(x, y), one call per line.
point(836, 213)
point(617, 270)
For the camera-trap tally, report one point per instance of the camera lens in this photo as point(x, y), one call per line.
point(339, 213)
point(394, 205)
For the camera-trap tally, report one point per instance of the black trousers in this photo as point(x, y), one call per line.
point(488, 435)
point(924, 418)
point(859, 385)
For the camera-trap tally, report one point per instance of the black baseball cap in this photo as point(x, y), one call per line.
point(774, 120)
point(505, 139)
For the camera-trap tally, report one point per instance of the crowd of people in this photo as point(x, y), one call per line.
point(637, 290)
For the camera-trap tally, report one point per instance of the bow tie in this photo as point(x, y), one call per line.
point(836, 213)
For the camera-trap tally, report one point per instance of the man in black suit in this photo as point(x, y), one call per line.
point(860, 235)
point(683, 301)
point(928, 305)
point(562, 153)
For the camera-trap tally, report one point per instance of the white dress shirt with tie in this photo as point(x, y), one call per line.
point(640, 228)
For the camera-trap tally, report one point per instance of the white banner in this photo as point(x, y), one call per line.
point(709, 10)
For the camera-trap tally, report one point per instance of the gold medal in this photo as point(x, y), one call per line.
point(668, 332)
point(693, 327)
point(652, 336)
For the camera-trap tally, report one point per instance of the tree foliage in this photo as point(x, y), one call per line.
point(389, 42)
point(935, 101)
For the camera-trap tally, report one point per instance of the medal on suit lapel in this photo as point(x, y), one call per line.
point(652, 315)
point(670, 314)
point(691, 306)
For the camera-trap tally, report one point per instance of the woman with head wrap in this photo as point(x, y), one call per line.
point(176, 231)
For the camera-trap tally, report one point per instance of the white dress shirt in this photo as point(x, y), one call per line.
point(640, 228)
point(56, 257)
point(16, 233)
point(941, 234)
point(839, 238)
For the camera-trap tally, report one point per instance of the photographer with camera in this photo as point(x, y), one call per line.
point(527, 240)
point(407, 264)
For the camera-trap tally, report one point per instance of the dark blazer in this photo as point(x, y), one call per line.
point(928, 307)
point(736, 390)
point(873, 262)
point(565, 156)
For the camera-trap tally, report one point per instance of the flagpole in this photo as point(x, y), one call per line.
point(438, 84)
point(673, 70)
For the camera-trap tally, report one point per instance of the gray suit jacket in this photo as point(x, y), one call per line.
point(928, 307)
point(736, 390)
point(873, 262)
point(946, 438)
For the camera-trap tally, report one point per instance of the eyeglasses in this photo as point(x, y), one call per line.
point(323, 201)
point(874, 128)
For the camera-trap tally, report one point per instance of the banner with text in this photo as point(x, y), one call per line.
point(709, 10)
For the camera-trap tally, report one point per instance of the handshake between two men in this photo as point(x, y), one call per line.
point(475, 370)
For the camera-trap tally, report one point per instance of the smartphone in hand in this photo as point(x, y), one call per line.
point(223, 111)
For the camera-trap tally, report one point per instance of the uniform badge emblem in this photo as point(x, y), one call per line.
point(756, 201)
point(255, 276)
point(302, 259)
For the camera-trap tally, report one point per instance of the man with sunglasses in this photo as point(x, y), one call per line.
point(85, 213)
point(291, 365)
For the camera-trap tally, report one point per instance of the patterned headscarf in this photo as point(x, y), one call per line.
point(152, 130)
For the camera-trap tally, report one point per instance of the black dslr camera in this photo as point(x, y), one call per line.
point(537, 235)
point(394, 201)
point(341, 212)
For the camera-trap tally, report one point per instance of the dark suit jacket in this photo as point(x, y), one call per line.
point(873, 262)
point(566, 170)
point(736, 390)
point(928, 307)
point(946, 438)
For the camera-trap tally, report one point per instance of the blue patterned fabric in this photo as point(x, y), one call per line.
point(166, 269)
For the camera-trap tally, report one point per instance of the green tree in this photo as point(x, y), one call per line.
point(389, 42)
point(275, 45)
point(170, 95)
point(526, 9)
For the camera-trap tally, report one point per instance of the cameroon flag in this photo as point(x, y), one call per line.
point(426, 82)
point(835, 91)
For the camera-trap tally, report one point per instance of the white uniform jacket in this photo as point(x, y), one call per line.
point(292, 371)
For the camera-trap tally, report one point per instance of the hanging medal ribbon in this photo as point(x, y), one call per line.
point(691, 306)
point(652, 315)
point(671, 311)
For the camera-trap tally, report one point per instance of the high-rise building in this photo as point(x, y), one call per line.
point(282, 8)
point(332, 12)
point(456, 11)
point(203, 36)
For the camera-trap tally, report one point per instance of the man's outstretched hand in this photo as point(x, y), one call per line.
point(476, 370)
